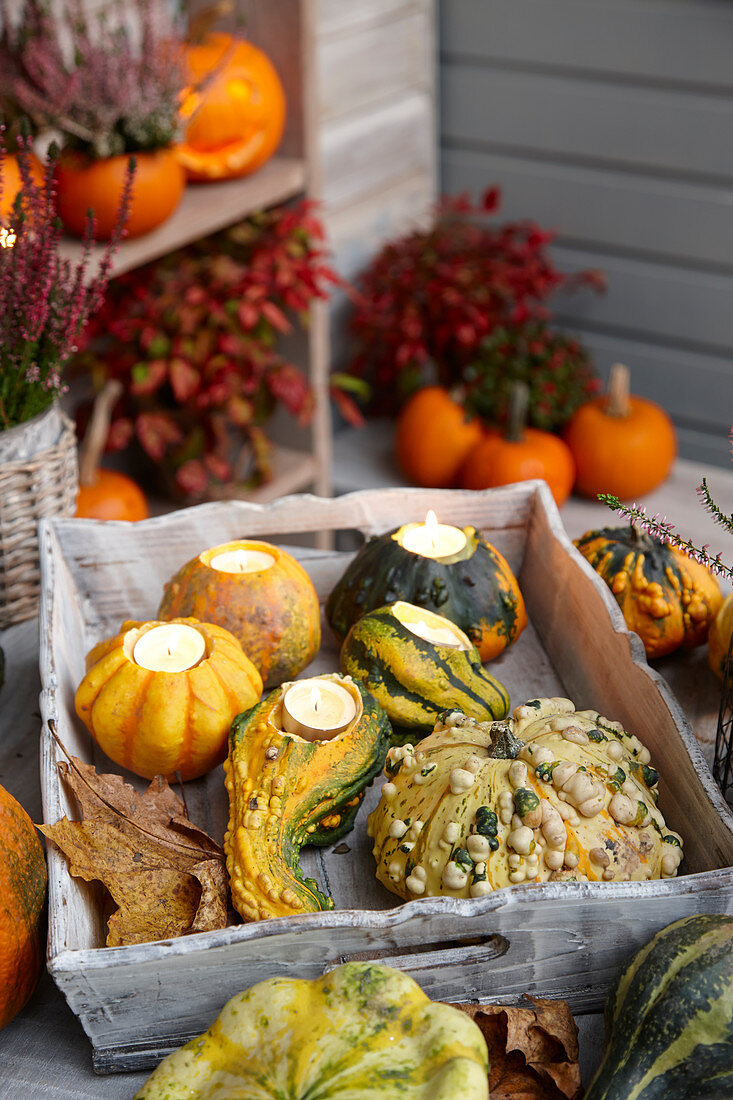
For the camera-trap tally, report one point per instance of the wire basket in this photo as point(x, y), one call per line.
point(723, 763)
point(45, 484)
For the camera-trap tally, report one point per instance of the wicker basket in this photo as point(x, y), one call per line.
point(43, 484)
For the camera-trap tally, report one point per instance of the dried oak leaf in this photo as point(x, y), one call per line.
point(533, 1052)
point(166, 876)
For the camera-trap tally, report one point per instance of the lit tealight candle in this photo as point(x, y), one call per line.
point(431, 627)
point(172, 647)
point(317, 709)
point(242, 561)
point(432, 539)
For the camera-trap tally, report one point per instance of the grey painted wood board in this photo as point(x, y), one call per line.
point(336, 17)
point(366, 151)
point(648, 300)
point(667, 41)
point(376, 63)
point(668, 131)
point(545, 936)
point(696, 390)
point(636, 215)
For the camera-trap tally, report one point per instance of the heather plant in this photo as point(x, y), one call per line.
point(195, 340)
point(107, 83)
point(556, 368)
point(429, 299)
point(45, 300)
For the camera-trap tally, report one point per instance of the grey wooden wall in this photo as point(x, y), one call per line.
point(611, 121)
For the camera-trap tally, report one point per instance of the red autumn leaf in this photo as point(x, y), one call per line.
point(120, 433)
point(247, 314)
point(288, 385)
point(276, 317)
point(348, 408)
point(148, 377)
point(185, 379)
point(241, 411)
point(191, 478)
point(156, 432)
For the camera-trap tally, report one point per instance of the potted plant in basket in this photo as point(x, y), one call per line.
point(106, 85)
point(45, 303)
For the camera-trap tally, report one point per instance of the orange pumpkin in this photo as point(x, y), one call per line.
point(159, 723)
point(97, 185)
point(273, 612)
point(522, 454)
point(11, 181)
point(433, 437)
point(236, 121)
point(622, 444)
point(23, 889)
point(105, 494)
point(111, 495)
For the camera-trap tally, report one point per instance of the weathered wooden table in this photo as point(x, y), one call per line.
point(44, 1051)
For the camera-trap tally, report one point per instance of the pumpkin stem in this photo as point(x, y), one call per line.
point(518, 406)
point(95, 436)
point(201, 24)
point(618, 391)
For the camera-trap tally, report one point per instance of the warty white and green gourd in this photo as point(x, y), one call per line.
point(549, 794)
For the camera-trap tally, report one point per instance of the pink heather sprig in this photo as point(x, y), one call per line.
point(45, 300)
point(662, 529)
point(113, 91)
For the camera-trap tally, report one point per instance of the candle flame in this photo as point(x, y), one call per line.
point(431, 528)
point(172, 641)
point(242, 561)
point(315, 698)
point(7, 237)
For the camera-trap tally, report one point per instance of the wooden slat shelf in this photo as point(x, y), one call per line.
point(206, 208)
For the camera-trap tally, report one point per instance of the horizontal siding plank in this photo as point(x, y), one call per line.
point(655, 300)
point(696, 390)
point(691, 223)
point(700, 446)
point(372, 64)
point(654, 40)
point(561, 117)
point(364, 152)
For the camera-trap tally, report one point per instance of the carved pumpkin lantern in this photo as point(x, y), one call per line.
point(236, 119)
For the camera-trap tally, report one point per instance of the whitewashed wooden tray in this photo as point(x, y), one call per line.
point(556, 939)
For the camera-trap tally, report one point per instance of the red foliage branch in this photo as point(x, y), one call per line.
point(431, 297)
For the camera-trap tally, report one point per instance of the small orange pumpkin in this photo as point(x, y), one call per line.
point(236, 121)
point(105, 494)
point(11, 181)
point(274, 612)
point(433, 437)
point(97, 185)
point(159, 723)
point(23, 890)
point(622, 444)
point(522, 454)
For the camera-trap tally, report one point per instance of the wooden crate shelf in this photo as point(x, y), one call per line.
point(204, 209)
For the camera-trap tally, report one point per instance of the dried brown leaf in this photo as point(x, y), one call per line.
point(533, 1052)
point(166, 876)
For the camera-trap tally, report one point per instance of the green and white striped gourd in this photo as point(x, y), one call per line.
point(669, 1018)
point(414, 679)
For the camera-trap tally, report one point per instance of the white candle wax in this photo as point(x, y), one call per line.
point(434, 540)
point(242, 561)
point(317, 709)
point(173, 647)
point(431, 627)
